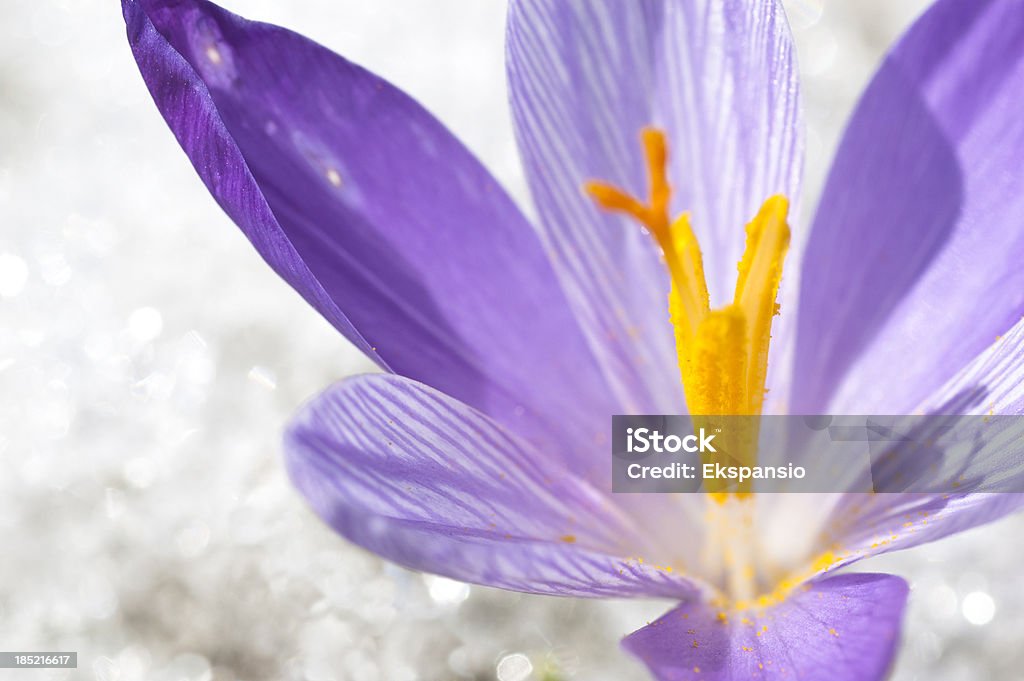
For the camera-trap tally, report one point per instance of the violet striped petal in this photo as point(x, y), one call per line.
point(585, 77)
point(991, 383)
point(427, 482)
point(842, 628)
point(913, 264)
point(862, 526)
point(867, 525)
point(374, 212)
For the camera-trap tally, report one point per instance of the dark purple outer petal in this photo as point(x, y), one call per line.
point(842, 628)
point(914, 262)
point(425, 481)
point(720, 77)
point(375, 213)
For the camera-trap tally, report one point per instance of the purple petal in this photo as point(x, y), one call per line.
point(369, 208)
point(866, 525)
point(870, 525)
point(841, 628)
point(913, 265)
point(425, 481)
point(992, 383)
point(585, 77)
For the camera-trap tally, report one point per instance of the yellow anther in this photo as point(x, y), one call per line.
point(716, 371)
point(688, 298)
point(760, 272)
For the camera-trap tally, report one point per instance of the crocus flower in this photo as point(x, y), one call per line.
point(480, 451)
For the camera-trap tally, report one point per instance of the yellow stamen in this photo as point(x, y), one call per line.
point(760, 272)
point(717, 370)
point(723, 354)
point(688, 297)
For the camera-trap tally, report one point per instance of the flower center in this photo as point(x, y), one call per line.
point(722, 353)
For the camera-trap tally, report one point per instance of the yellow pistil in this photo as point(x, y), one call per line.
point(723, 354)
point(689, 296)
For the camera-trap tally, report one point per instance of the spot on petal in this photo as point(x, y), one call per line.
point(213, 54)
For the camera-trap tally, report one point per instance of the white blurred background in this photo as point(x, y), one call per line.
point(149, 360)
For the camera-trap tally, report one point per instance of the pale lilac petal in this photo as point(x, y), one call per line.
point(866, 525)
point(423, 480)
point(913, 265)
point(991, 383)
point(372, 211)
point(585, 77)
point(861, 526)
point(842, 628)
